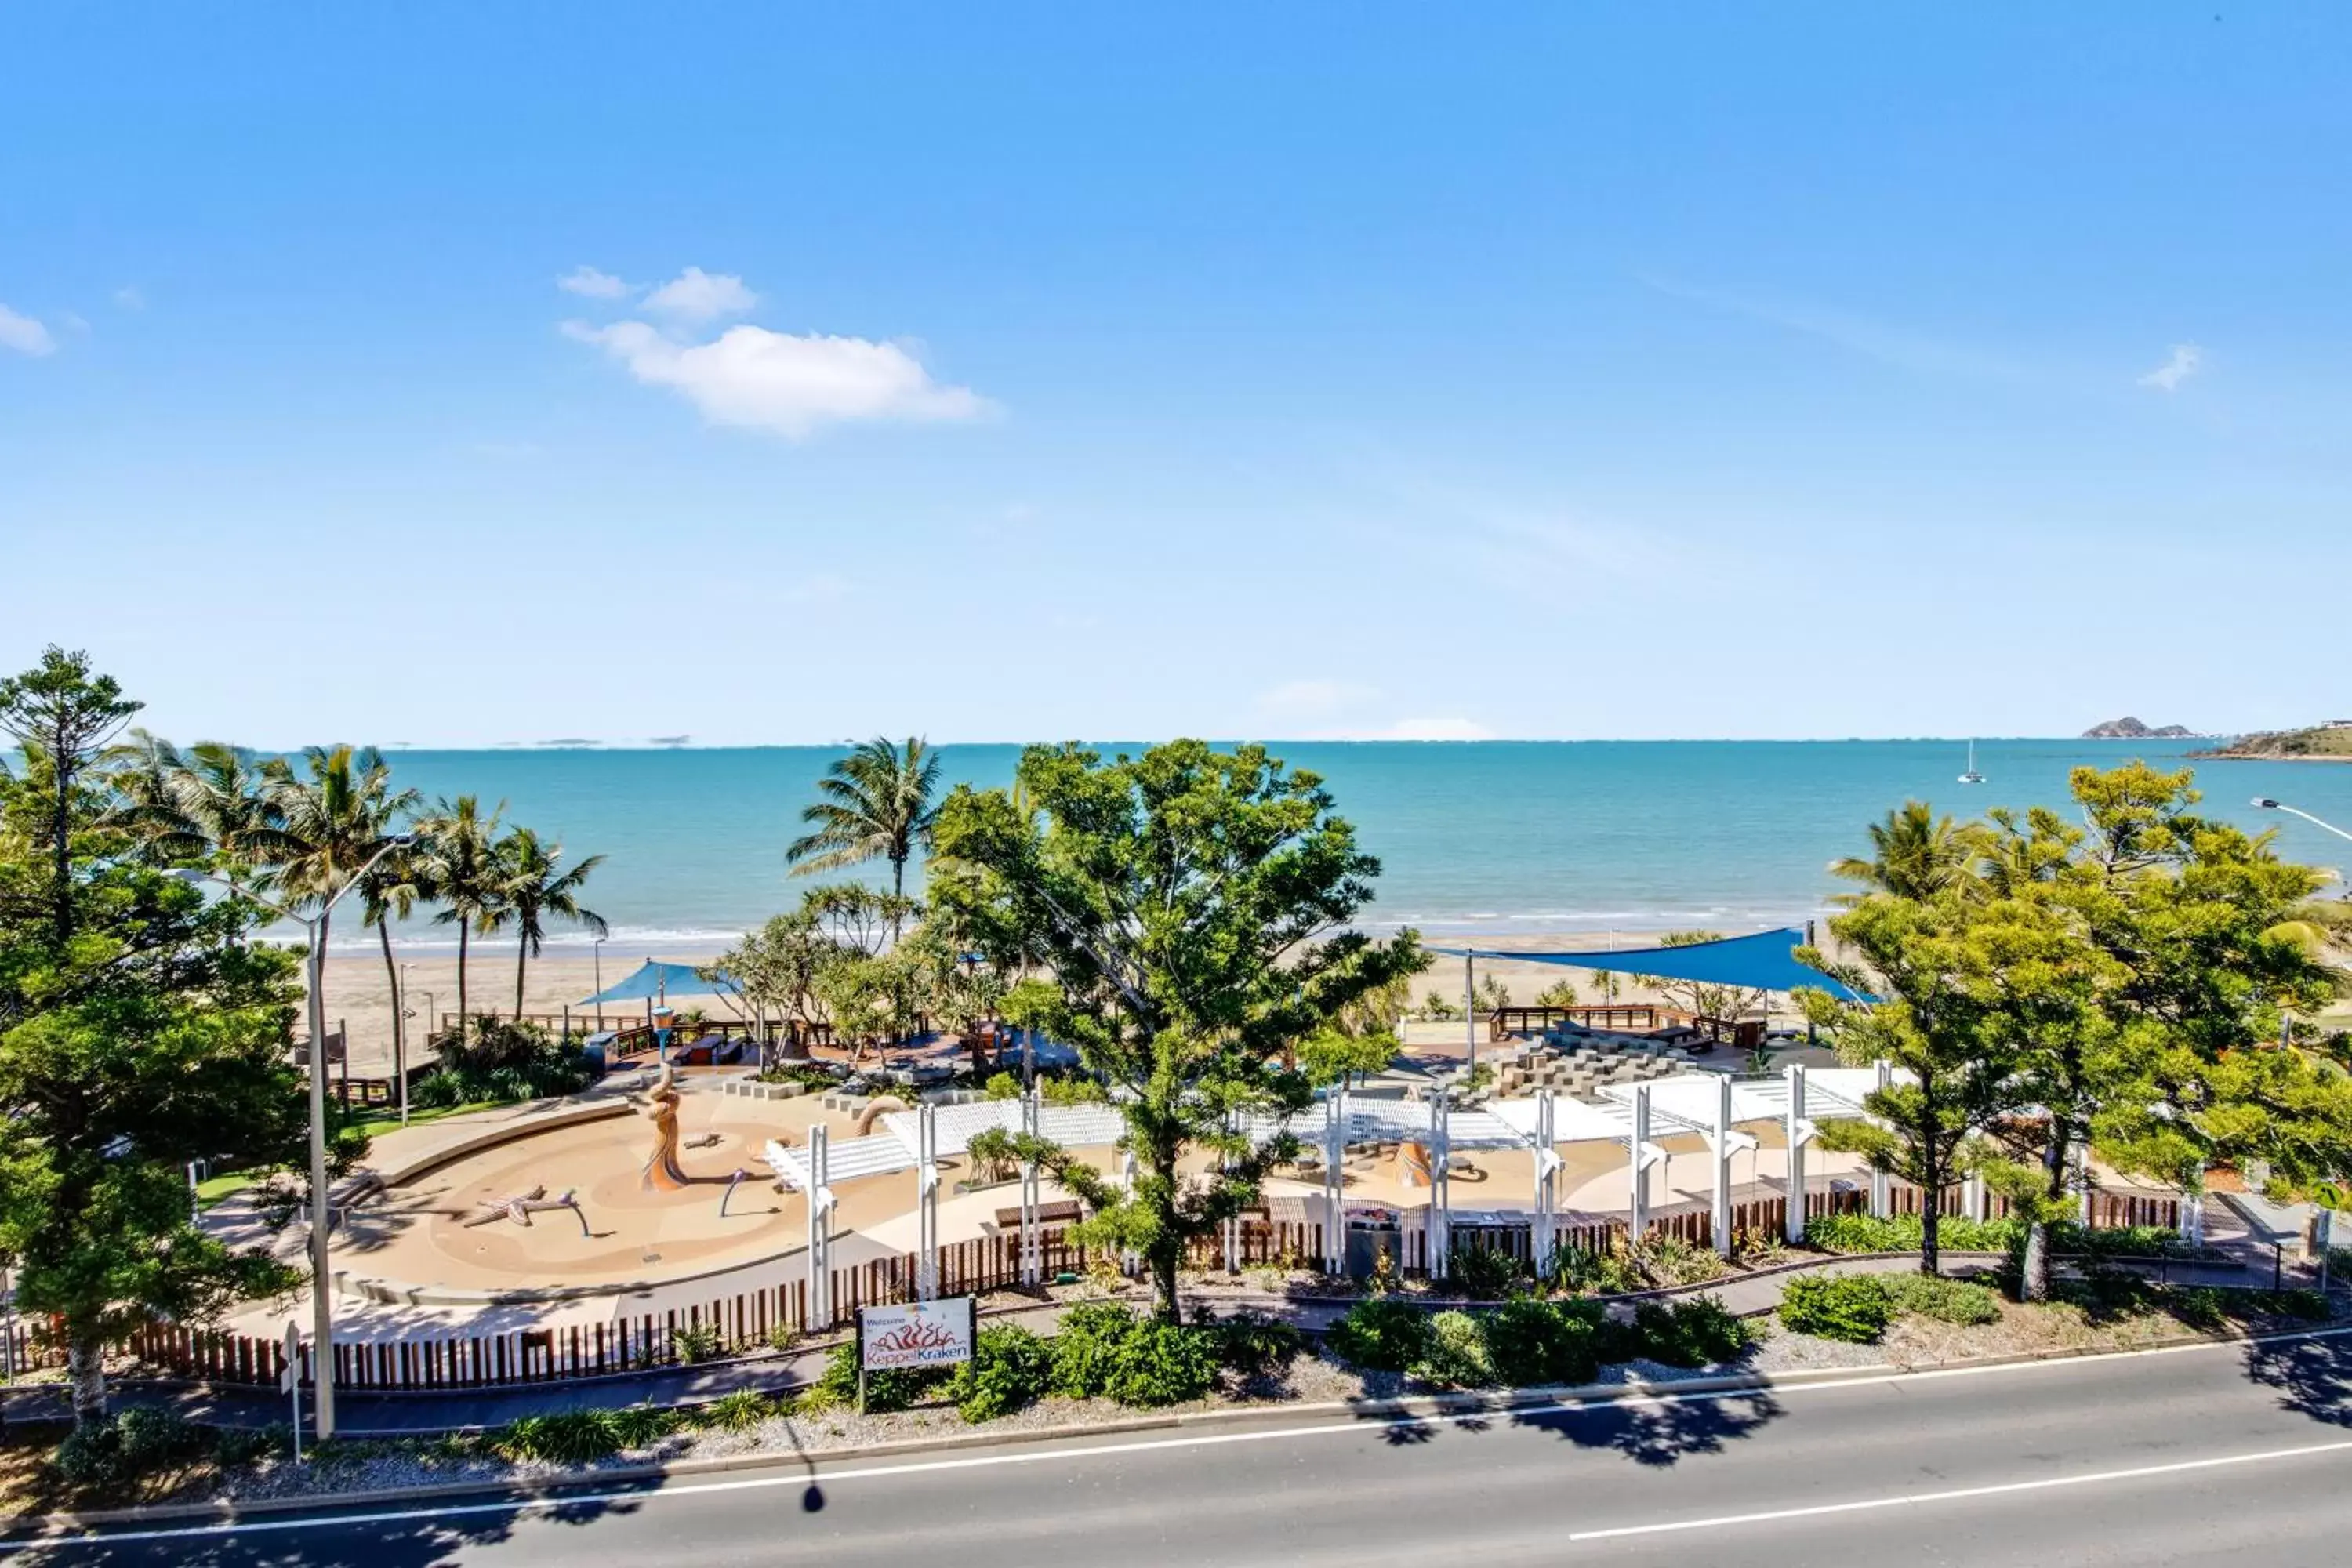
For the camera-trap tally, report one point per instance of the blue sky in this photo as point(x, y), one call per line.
point(1007, 372)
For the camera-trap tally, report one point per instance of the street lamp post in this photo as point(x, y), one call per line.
point(400, 1014)
point(322, 1313)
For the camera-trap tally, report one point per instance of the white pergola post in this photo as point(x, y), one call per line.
point(1972, 1195)
point(927, 1188)
point(1131, 1261)
point(1548, 1163)
point(1800, 1131)
point(1032, 1245)
point(1335, 1183)
point(1440, 1229)
point(820, 1232)
point(2081, 1157)
point(1639, 1158)
point(1470, 1017)
point(1882, 1196)
point(2192, 1214)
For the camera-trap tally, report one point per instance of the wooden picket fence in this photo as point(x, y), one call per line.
point(751, 1319)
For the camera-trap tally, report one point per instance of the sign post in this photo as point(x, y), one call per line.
point(912, 1335)
point(290, 1380)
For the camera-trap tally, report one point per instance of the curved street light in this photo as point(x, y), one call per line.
point(322, 1312)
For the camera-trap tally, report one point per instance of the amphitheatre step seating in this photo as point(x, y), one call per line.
point(1582, 1069)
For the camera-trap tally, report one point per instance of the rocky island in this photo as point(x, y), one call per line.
point(2130, 728)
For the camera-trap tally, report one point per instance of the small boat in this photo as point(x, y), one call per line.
point(1972, 777)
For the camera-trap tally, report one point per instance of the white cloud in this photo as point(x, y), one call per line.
point(2186, 359)
point(777, 381)
point(73, 321)
point(128, 297)
point(24, 335)
point(1434, 729)
point(595, 285)
point(695, 295)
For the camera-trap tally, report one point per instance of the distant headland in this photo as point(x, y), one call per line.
point(2328, 742)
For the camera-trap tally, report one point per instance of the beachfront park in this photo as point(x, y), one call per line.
point(1108, 1065)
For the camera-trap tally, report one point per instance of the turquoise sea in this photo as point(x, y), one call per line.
point(1486, 837)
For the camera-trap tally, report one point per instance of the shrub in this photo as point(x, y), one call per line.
point(1380, 1335)
point(785, 1338)
point(994, 1154)
point(1532, 1341)
point(1610, 1273)
point(1002, 1085)
point(233, 1446)
point(1698, 1330)
point(564, 1437)
point(1163, 1364)
point(1903, 1232)
point(1850, 1308)
point(1010, 1370)
point(1671, 1260)
point(1946, 1301)
point(491, 1058)
point(1456, 1356)
point(2200, 1307)
point(437, 1091)
point(1484, 1273)
point(737, 1412)
point(696, 1342)
point(2307, 1304)
point(1254, 1345)
point(893, 1388)
point(641, 1425)
point(1086, 1351)
point(125, 1446)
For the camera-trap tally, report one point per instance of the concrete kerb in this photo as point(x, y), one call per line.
point(1443, 1406)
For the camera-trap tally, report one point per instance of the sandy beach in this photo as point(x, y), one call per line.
point(360, 995)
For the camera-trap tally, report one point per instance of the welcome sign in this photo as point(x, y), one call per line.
point(915, 1334)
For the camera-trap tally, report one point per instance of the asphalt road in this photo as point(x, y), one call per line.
point(2227, 1454)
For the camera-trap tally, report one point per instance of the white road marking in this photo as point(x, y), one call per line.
point(1915, 1499)
point(812, 1472)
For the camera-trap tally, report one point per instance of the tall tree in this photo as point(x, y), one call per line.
point(332, 815)
point(534, 888)
point(155, 1033)
point(1702, 998)
point(2172, 945)
point(1930, 966)
point(873, 804)
point(62, 718)
point(776, 970)
point(1195, 906)
point(459, 847)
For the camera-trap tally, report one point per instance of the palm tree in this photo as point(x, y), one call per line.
point(532, 890)
point(207, 802)
point(875, 805)
point(1915, 853)
point(461, 857)
point(390, 891)
point(328, 822)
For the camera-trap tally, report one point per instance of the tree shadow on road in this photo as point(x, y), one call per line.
point(444, 1540)
point(2314, 1377)
point(1660, 1433)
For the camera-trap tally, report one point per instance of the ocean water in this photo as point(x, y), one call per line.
point(1475, 838)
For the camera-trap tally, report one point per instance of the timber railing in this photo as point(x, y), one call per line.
point(749, 1320)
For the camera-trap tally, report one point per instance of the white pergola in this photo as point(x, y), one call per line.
point(1712, 1106)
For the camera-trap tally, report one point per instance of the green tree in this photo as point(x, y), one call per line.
point(776, 970)
point(1335, 1057)
point(873, 804)
point(533, 888)
point(1558, 993)
point(326, 821)
point(138, 1029)
point(1928, 964)
point(1195, 906)
point(858, 917)
point(2147, 991)
point(1913, 854)
point(460, 859)
point(62, 718)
